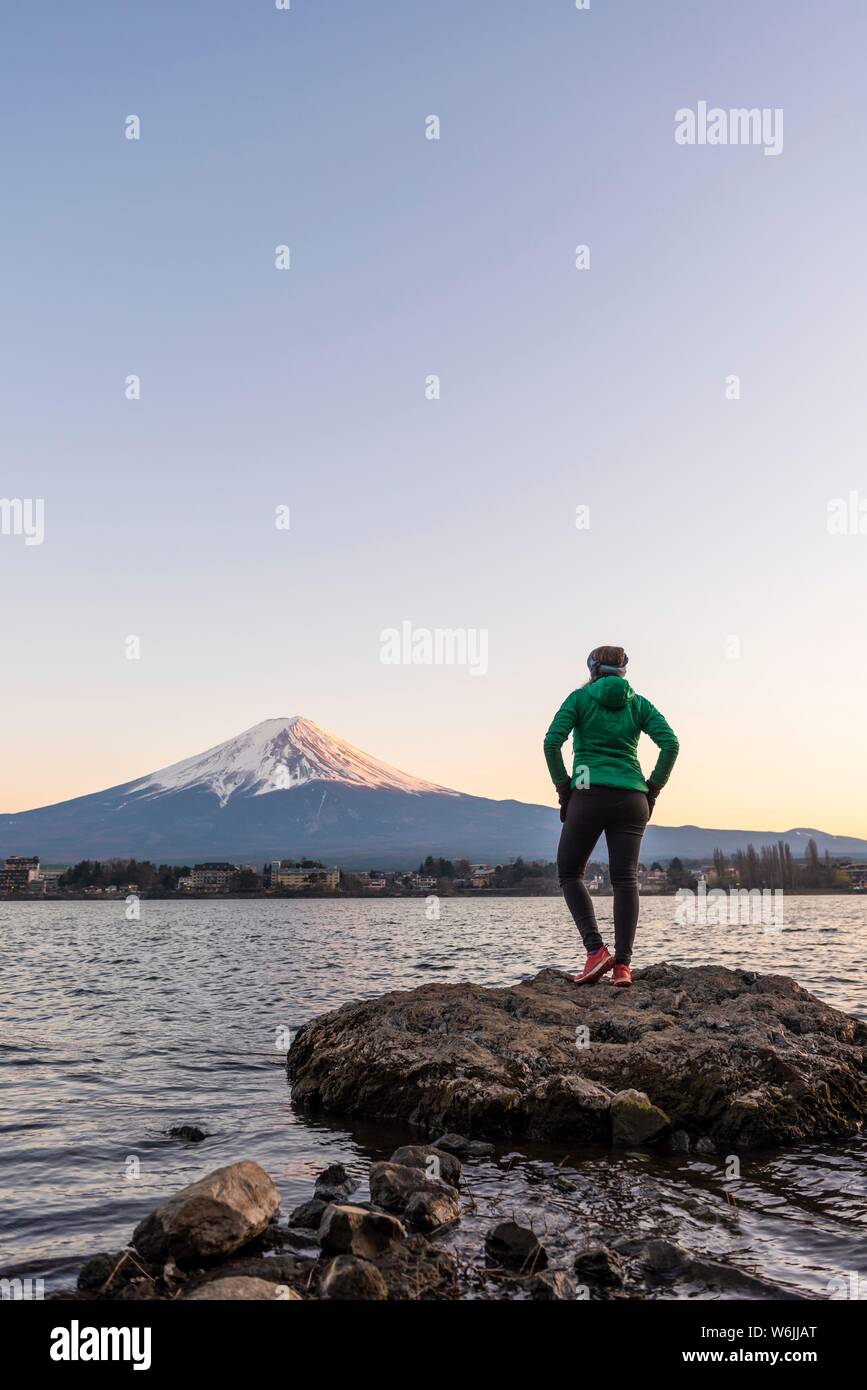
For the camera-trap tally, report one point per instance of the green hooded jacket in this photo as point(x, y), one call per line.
point(607, 717)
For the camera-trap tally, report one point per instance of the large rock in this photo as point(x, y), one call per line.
point(745, 1059)
point(211, 1218)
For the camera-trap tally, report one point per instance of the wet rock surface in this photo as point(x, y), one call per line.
point(726, 1056)
point(425, 1202)
point(211, 1218)
point(515, 1247)
point(356, 1231)
point(634, 1120)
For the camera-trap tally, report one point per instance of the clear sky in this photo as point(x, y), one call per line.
point(560, 388)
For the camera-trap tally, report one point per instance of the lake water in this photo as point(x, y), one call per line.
point(112, 1031)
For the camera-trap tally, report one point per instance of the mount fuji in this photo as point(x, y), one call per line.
point(285, 788)
point(288, 789)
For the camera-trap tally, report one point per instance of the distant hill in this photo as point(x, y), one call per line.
point(287, 788)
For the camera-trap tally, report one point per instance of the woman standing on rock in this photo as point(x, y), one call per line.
point(607, 791)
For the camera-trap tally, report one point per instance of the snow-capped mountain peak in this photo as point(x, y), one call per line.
point(279, 755)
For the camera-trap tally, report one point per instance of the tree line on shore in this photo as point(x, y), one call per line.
point(772, 867)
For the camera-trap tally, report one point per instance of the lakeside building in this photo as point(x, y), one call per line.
point(20, 874)
point(288, 873)
point(856, 875)
point(209, 878)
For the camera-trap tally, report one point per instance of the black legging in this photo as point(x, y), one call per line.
point(623, 816)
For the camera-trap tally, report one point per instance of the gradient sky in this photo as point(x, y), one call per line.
point(560, 388)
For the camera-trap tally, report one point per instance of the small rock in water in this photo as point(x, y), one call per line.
point(190, 1132)
point(392, 1185)
point(427, 1211)
point(349, 1230)
point(516, 1247)
point(599, 1265)
point(240, 1288)
point(352, 1278)
point(435, 1163)
point(462, 1147)
point(334, 1184)
point(309, 1215)
point(679, 1142)
point(705, 1145)
point(635, 1120)
point(663, 1256)
point(212, 1217)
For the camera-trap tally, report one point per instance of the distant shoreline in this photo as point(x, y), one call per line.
point(373, 896)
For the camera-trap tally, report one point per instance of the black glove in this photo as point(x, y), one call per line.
point(652, 793)
point(563, 794)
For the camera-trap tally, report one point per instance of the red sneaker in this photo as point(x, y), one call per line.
point(622, 975)
point(595, 966)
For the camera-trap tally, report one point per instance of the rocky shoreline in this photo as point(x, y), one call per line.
point(688, 1066)
point(221, 1239)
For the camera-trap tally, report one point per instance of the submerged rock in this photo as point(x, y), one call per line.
point(462, 1147)
point(742, 1059)
point(663, 1256)
point(600, 1267)
point(435, 1163)
point(211, 1218)
point(190, 1132)
point(515, 1247)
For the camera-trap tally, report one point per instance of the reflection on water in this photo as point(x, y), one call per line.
point(112, 1031)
